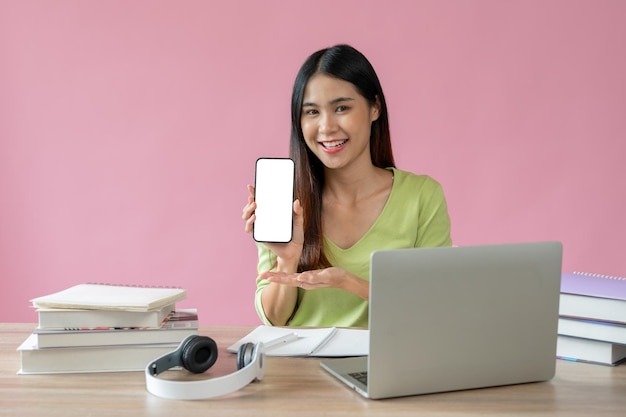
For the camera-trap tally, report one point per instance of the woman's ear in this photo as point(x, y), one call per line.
point(375, 110)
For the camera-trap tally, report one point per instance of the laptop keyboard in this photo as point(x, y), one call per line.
point(360, 376)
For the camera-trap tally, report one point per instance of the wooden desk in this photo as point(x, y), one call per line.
point(294, 387)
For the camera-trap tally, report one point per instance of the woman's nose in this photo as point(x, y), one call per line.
point(328, 123)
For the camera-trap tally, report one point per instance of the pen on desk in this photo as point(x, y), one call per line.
point(279, 341)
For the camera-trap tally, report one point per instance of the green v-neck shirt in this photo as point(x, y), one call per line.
point(415, 215)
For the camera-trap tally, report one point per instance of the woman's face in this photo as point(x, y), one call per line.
point(336, 121)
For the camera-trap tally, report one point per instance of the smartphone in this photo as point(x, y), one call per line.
point(274, 195)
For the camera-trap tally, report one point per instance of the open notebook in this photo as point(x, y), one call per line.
point(322, 342)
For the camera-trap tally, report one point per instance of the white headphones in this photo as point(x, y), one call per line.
point(197, 354)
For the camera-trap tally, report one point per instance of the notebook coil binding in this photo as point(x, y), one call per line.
point(133, 285)
point(603, 276)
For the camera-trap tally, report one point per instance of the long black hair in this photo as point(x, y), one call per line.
point(345, 63)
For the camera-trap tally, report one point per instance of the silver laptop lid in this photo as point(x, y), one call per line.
point(444, 319)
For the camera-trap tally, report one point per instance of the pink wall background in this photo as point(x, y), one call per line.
point(129, 130)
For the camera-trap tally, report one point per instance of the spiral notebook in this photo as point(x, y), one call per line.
point(111, 297)
point(593, 297)
point(594, 285)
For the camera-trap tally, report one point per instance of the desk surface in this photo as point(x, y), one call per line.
point(294, 386)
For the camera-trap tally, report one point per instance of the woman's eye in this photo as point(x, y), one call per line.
point(342, 109)
point(311, 112)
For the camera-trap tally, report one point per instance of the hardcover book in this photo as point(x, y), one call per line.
point(596, 330)
point(35, 360)
point(74, 318)
point(178, 326)
point(592, 351)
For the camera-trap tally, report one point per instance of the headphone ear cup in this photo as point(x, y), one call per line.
point(244, 355)
point(199, 354)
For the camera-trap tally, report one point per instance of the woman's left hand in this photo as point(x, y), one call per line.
point(332, 277)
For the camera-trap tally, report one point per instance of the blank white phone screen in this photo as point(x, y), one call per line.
point(274, 195)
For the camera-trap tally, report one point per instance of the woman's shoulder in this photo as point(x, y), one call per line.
point(410, 180)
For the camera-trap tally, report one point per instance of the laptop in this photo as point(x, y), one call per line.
point(457, 318)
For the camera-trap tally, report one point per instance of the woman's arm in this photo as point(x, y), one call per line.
point(277, 301)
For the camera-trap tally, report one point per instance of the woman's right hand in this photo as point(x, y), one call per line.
point(288, 254)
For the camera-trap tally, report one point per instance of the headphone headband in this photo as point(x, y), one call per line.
point(252, 370)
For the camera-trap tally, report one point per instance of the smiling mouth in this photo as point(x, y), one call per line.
point(334, 143)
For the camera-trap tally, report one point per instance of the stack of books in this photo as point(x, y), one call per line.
point(105, 328)
point(592, 318)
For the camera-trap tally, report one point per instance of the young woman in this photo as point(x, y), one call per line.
point(350, 198)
